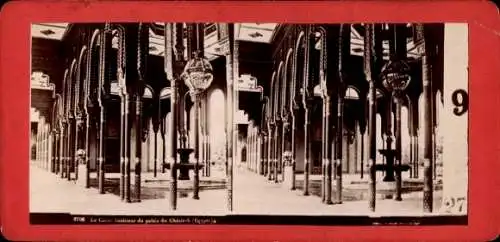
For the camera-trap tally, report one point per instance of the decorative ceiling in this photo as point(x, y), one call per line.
point(49, 30)
point(255, 32)
point(250, 32)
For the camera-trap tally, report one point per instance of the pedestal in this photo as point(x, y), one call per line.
point(288, 181)
point(389, 168)
point(82, 175)
point(184, 161)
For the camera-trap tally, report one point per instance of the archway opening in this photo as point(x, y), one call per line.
point(217, 128)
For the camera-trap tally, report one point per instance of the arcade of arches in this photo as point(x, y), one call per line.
point(309, 106)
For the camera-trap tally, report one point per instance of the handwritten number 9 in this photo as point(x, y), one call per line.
point(461, 101)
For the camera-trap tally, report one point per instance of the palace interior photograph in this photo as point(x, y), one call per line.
point(249, 118)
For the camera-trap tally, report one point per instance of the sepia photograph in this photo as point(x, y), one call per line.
point(249, 123)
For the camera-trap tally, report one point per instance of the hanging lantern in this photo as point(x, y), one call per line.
point(396, 75)
point(198, 73)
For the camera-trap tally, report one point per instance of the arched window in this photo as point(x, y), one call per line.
point(165, 93)
point(148, 92)
point(217, 125)
point(351, 94)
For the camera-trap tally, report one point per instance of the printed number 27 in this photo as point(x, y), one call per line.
point(460, 99)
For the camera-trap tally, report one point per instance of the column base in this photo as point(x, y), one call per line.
point(288, 177)
point(82, 175)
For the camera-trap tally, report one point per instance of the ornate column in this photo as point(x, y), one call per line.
point(231, 131)
point(396, 78)
point(121, 83)
point(61, 147)
point(207, 137)
point(40, 145)
point(133, 91)
point(270, 149)
point(307, 103)
point(47, 143)
point(411, 148)
point(70, 141)
point(126, 142)
point(235, 99)
point(196, 131)
point(326, 43)
point(327, 155)
point(202, 134)
point(285, 146)
point(156, 127)
point(344, 53)
point(87, 147)
point(163, 140)
point(122, 93)
point(197, 75)
point(276, 152)
point(142, 54)
point(37, 143)
point(44, 147)
point(55, 156)
point(292, 142)
point(103, 84)
point(264, 154)
point(138, 139)
point(172, 74)
point(78, 153)
point(372, 61)
point(427, 112)
point(397, 128)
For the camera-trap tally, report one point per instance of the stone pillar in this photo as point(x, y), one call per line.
point(266, 154)
point(231, 126)
point(137, 142)
point(339, 148)
point(292, 149)
point(327, 142)
point(55, 155)
point(122, 138)
point(48, 146)
point(397, 128)
point(103, 82)
point(270, 154)
point(202, 148)
point(123, 106)
point(344, 53)
point(169, 66)
point(427, 125)
point(254, 149)
point(142, 54)
point(411, 154)
point(196, 132)
point(62, 159)
point(126, 146)
point(77, 143)
point(372, 65)
point(162, 134)
point(324, 142)
point(132, 93)
point(277, 155)
point(70, 148)
point(307, 103)
point(87, 149)
point(155, 144)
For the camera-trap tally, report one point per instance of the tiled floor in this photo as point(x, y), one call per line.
point(253, 194)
